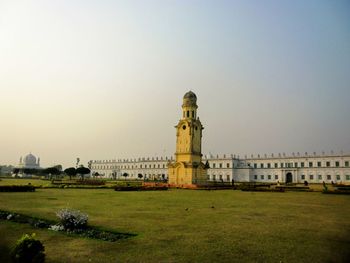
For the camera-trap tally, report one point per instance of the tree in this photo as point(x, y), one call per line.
point(125, 175)
point(140, 176)
point(52, 171)
point(71, 171)
point(96, 174)
point(30, 171)
point(16, 171)
point(59, 167)
point(83, 171)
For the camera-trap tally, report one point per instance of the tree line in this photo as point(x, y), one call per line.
point(54, 171)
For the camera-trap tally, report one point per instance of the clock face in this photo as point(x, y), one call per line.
point(184, 127)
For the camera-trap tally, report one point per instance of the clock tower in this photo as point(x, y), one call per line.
point(188, 168)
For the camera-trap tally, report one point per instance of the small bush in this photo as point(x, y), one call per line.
point(28, 249)
point(72, 219)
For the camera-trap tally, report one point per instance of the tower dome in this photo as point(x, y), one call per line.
point(189, 99)
point(190, 95)
point(29, 159)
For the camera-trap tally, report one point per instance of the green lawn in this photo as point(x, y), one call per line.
point(190, 226)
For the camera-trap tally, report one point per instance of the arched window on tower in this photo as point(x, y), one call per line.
point(193, 114)
point(188, 114)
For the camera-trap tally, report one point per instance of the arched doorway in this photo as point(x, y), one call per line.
point(289, 178)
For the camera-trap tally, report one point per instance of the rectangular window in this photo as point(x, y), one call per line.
point(287, 165)
point(311, 177)
point(255, 177)
point(328, 164)
point(319, 164)
point(214, 165)
point(302, 177)
point(276, 177)
point(347, 177)
point(338, 177)
point(337, 164)
point(329, 177)
point(255, 165)
point(281, 165)
point(261, 165)
point(228, 165)
point(302, 164)
point(276, 165)
point(269, 177)
point(310, 164)
point(319, 177)
point(268, 165)
point(296, 165)
point(346, 163)
point(220, 165)
point(262, 177)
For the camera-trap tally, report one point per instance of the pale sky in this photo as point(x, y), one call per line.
point(105, 79)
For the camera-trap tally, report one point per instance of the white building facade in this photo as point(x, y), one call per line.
point(155, 168)
point(296, 168)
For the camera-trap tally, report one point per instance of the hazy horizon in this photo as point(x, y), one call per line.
point(105, 80)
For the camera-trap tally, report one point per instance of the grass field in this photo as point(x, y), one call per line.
point(189, 226)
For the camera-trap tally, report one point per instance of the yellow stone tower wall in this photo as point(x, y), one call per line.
point(188, 168)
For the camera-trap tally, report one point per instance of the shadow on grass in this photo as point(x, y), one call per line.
point(5, 254)
point(341, 246)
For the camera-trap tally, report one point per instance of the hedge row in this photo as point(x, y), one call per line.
point(88, 232)
point(337, 192)
point(280, 190)
point(17, 188)
point(140, 188)
point(91, 182)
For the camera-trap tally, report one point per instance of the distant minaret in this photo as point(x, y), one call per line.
point(39, 161)
point(188, 168)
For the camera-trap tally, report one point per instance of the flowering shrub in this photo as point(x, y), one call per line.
point(9, 217)
point(72, 219)
point(28, 249)
point(57, 227)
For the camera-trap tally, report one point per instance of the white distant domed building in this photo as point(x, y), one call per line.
point(29, 161)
